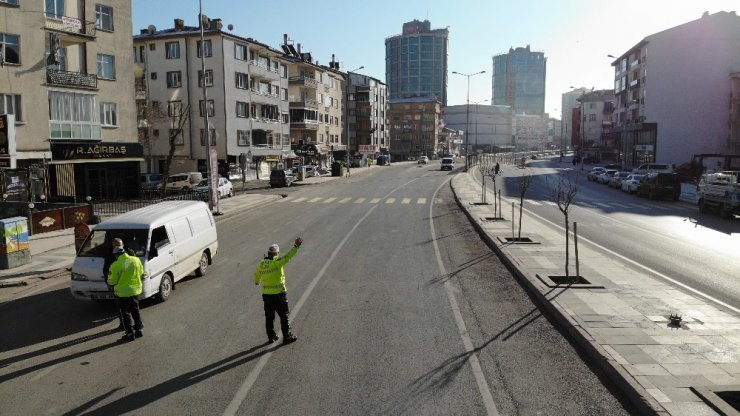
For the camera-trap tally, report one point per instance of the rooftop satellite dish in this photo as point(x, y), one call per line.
point(151, 29)
point(230, 27)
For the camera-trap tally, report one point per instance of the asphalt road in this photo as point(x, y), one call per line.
point(399, 307)
point(670, 239)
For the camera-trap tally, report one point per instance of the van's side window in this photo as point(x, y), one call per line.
point(159, 237)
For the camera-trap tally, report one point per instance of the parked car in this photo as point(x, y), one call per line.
point(594, 173)
point(150, 180)
point(606, 176)
point(613, 166)
point(281, 177)
point(631, 183)
point(616, 180)
point(654, 167)
point(183, 181)
point(660, 185)
point(447, 163)
point(225, 188)
point(423, 160)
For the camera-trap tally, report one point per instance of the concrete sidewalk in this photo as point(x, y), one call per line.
point(622, 317)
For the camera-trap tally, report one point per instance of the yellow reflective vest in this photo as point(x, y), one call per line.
point(271, 274)
point(125, 276)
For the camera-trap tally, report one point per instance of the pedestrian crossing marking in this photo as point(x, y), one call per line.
point(390, 200)
point(421, 201)
point(375, 200)
point(329, 200)
point(301, 199)
point(533, 202)
point(359, 200)
point(317, 199)
point(406, 201)
point(345, 200)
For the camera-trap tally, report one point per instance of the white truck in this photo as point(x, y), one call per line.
point(720, 192)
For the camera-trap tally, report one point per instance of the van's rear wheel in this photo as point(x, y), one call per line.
point(202, 265)
point(165, 287)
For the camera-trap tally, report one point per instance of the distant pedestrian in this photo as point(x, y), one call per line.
point(574, 161)
point(346, 173)
point(274, 292)
point(109, 259)
point(497, 168)
point(125, 276)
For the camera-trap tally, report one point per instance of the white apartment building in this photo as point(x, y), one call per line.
point(246, 84)
point(673, 91)
point(487, 128)
point(68, 84)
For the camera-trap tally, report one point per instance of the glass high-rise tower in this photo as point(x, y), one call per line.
point(519, 80)
point(416, 62)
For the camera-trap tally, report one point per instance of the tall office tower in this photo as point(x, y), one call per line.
point(519, 80)
point(416, 62)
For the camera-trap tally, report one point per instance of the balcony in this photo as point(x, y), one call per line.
point(304, 125)
point(264, 96)
point(257, 70)
point(634, 63)
point(71, 79)
point(305, 103)
point(635, 83)
point(140, 87)
point(304, 81)
point(71, 26)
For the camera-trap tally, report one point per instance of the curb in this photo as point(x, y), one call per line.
point(644, 403)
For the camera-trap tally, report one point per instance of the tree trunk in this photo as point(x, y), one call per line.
point(567, 247)
point(521, 209)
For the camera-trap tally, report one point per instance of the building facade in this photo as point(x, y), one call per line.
point(415, 126)
point(416, 62)
point(367, 115)
point(246, 98)
point(488, 128)
point(68, 88)
point(519, 80)
point(597, 108)
point(673, 91)
point(569, 101)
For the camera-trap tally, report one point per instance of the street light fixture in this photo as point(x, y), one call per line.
point(346, 110)
point(467, 111)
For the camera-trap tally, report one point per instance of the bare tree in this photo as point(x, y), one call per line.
point(564, 193)
point(524, 182)
point(486, 168)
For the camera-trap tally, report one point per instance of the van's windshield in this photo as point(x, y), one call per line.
point(98, 243)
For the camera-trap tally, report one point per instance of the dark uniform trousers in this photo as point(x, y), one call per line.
point(129, 307)
point(277, 303)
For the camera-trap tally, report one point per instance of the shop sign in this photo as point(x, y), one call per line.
point(644, 147)
point(367, 148)
point(272, 159)
point(102, 150)
point(306, 150)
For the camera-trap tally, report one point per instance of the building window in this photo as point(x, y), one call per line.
point(153, 75)
point(286, 118)
point(174, 108)
point(284, 94)
point(104, 17)
point(73, 116)
point(243, 138)
point(212, 137)
point(592, 117)
point(152, 46)
point(10, 48)
point(283, 71)
point(9, 1)
point(55, 8)
point(60, 58)
point(242, 81)
point(209, 78)
point(242, 109)
point(211, 108)
point(11, 104)
point(108, 114)
point(174, 79)
point(106, 66)
point(172, 50)
point(207, 49)
point(240, 52)
point(177, 134)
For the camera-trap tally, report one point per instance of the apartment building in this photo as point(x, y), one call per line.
point(68, 87)
point(367, 122)
point(415, 125)
point(315, 94)
point(673, 91)
point(596, 112)
point(518, 80)
point(569, 101)
point(733, 138)
point(246, 98)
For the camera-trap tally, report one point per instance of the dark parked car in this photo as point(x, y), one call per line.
point(280, 177)
point(660, 185)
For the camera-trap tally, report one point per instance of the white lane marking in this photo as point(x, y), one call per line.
point(421, 201)
point(406, 201)
point(480, 378)
point(317, 199)
point(390, 200)
point(345, 200)
point(301, 199)
point(243, 391)
point(329, 200)
point(359, 200)
point(375, 200)
point(532, 202)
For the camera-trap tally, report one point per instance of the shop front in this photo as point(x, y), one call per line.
point(101, 171)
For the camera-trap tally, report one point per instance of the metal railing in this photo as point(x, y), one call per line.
point(71, 79)
point(109, 208)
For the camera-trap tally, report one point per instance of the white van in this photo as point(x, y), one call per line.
point(654, 167)
point(173, 239)
point(183, 181)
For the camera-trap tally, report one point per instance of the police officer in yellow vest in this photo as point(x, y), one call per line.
point(125, 276)
point(272, 276)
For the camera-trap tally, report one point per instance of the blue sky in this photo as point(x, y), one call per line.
point(576, 35)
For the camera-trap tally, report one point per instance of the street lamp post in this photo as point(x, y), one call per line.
point(467, 112)
point(207, 126)
point(346, 111)
point(476, 121)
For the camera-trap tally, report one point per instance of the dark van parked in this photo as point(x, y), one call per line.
point(660, 185)
point(280, 178)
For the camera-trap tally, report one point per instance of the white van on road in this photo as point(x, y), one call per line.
point(173, 239)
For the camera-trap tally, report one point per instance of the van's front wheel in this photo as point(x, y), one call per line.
point(165, 288)
point(202, 265)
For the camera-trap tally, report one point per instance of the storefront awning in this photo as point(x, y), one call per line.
point(128, 159)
